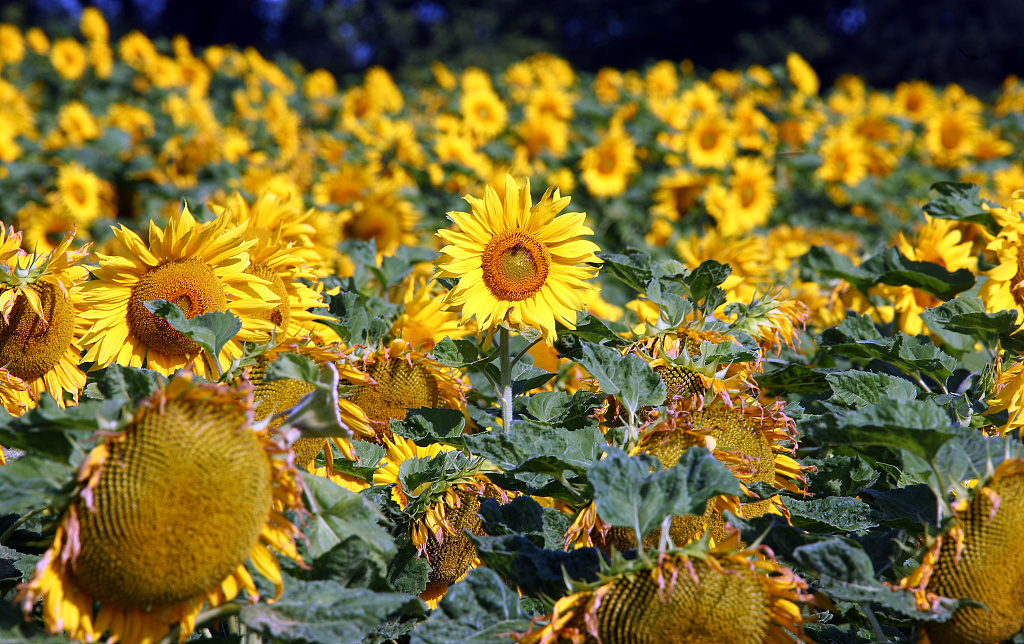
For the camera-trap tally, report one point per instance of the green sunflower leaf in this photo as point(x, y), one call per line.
point(33, 483)
point(535, 570)
point(846, 573)
point(477, 610)
point(891, 268)
point(859, 388)
point(967, 315)
point(703, 284)
point(522, 515)
point(211, 331)
point(61, 434)
point(831, 514)
point(792, 379)
point(634, 270)
point(960, 202)
point(431, 425)
point(538, 448)
point(316, 414)
point(339, 514)
point(130, 384)
point(633, 491)
point(596, 330)
point(292, 366)
point(325, 612)
point(629, 378)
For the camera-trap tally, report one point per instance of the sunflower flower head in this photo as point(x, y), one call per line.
point(517, 262)
point(978, 558)
point(40, 325)
point(189, 457)
point(439, 511)
point(200, 268)
point(693, 594)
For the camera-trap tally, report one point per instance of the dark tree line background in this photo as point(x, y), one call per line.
point(975, 44)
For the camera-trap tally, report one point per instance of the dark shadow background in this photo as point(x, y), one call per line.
point(976, 44)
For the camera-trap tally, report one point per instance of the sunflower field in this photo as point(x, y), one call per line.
point(535, 355)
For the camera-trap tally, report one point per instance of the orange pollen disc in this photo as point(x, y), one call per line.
point(515, 265)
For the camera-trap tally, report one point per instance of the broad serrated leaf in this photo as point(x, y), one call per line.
point(316, 415)
point(33, 483)
point(61, 434)
point(455, 353)
point(629, 378)
point(522, 515)
point(325, 612)
point(477, 610)
point(892, 268)
point(960, 202)
point(831, 514)
point(967, 315)
point(534, 570)
point(633, 492)
point(595, 330)
point(792, 379)
point(533, 447)
point(918, 426)
point(860, 388)
point(339, 514)
point(211, 330)
point(130, 384)
point(634, 270)
point(431, 425)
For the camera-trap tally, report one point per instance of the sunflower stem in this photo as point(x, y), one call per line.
point(876, 627)
point(505, 392)
point(17, 524)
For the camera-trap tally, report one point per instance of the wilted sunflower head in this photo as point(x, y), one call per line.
point(439, 515)
point(979, 558)
point(687, 595)
point(279, 395)
point(39, 323)
point(188, 460)
point(405, 379)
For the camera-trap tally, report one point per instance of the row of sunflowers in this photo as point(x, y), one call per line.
point(267, 376)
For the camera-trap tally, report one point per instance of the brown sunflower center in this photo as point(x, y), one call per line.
point(400, 387)
point(606, 164)
point(733, 433)
point(952, 134)
point(989, 569)
point(29, 347)
point(515, 265)
point(179, 505)
point(280, 315)
point(729, 606)
point(78, 194)
point(190, 285)
point(708, 139)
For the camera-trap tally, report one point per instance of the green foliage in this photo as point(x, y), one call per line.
point(629, 378)
point(630, 491)
point(211, 331)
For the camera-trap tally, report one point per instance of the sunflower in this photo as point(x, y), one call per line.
point(801, 74)
point(424, 322)
point(383, 217)
point(518, 262)
point(605, 168)
point(68, 58)
point(79, 192)
point(711, 142)
point(41, 327)
point(343, 186)
point(199, 268)
point(677, 193)
point(404, 379)
point(188, 458)
point(275, 396)
point(484, 114)
point(748, 256)
point(279, 264)
point(1005, 286)
point(543, 132)
point(979, 558)
point(913, 100)
point(752, 193)
point(439, 532)
point(687, 595)
point(951, 133)
point(1008, 395)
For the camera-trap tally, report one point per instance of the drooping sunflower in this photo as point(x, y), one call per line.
point(980, 558)
point(189, 458)
point(517, 262)
point(438, 533)
point(199, 268)
point(275, 396)
point(688, 595)
point(42, 325)
point(404, 378)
